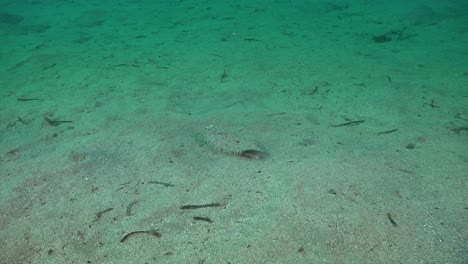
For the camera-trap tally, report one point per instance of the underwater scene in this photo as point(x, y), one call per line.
point(236, 131)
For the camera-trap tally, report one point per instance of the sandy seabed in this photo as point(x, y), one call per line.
point(123, 123)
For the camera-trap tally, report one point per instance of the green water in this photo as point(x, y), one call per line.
point(233, 131)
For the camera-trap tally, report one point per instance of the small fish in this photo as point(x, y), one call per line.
point(27, 99)
point(252, 154)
